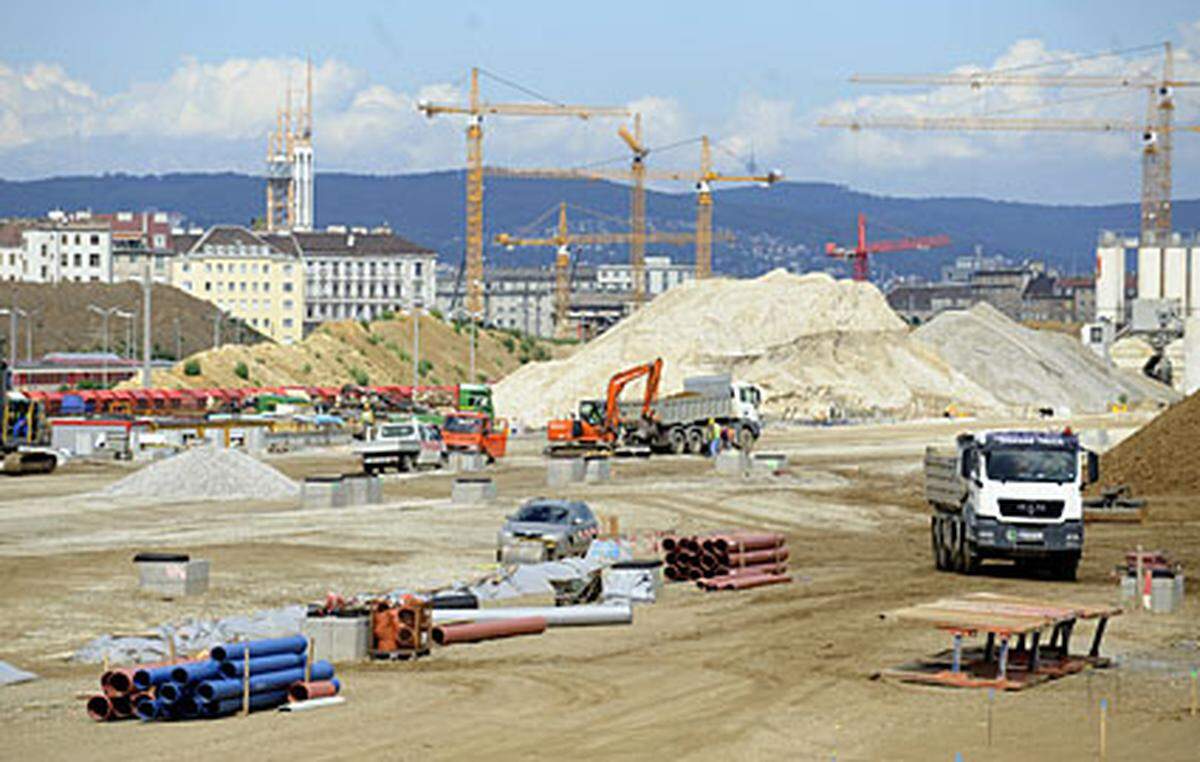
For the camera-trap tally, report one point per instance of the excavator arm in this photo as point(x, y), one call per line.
point(617, 384)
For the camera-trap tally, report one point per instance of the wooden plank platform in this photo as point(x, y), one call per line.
point(1014, 656)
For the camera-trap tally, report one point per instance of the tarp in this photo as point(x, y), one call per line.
point(10, 675)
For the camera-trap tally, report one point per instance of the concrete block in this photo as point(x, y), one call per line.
point(597, 470)
point(374, 490)
point(355, 488)
point(337, 639)
point(1166, 594)
point(563, 471)
point(732, 463)
point(322, 492)
point(467, 462)
point(467, 491)
point(173, 579)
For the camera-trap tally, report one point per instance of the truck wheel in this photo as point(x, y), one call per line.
point(969, 558)
point(695, 441)
point(1066, 569)
point(677, 441)
point(941, 558)
point(745, 438)
point(405, 464)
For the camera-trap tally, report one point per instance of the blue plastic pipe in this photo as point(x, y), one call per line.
point(170, 692)
point(263, 700)
point(149, 709)
point(145, 679)
point(232, 651)
point(195, 671)
point(231, 669)
point(215, 690)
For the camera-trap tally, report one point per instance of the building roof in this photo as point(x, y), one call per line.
point(10, 234)
point(238, 236)
point(350, 243)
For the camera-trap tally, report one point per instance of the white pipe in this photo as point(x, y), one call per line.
point(555, 616)
point(317, 703)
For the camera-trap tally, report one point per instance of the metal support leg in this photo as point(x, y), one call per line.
point(1068, 627)
point(956, 663)
point(1021, 642)
point(1095, 651)
point(1033, 651)
point(1054, 635)
point(1003, 672)
point(990, 649)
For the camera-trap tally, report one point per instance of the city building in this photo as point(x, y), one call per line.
point(65, 247)
point(359, 274)
point(140, 239)
point(256, 279)
point(290, 174)
point(519, 298)
point(661, 275)
point(12, 252)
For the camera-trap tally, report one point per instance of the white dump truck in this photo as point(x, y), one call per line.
point(1012, 495)
point(678, 423)
point(403, 445)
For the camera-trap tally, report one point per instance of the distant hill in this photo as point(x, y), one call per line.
point(786, 225)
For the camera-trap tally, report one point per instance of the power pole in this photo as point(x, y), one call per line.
point(416, 316)
point(178, 340)
point(147, 344)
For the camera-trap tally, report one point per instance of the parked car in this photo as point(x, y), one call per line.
point(544, 529)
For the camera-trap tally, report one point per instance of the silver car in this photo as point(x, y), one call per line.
point(545, 529)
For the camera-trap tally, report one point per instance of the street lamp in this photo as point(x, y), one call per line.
point(128, 317)
point(416, 316)
point(104, 313)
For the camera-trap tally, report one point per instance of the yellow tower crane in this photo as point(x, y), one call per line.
point(475, 109)
point(563, 239)
point(1156, 130)
point(703, 180)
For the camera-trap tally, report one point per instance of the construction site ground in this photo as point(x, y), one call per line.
point(783, 672)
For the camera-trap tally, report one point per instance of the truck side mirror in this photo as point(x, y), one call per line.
point(964, 466)
point(1093, 467)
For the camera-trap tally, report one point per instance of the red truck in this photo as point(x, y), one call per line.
point(476, 432)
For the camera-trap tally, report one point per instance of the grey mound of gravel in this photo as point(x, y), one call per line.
point(206, 473)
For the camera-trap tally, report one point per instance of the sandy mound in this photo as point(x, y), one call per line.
point(206, 473)
point(1161, 458)
point(812, 342)
point(1024, 368)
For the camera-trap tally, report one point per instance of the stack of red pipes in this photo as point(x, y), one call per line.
point(727, 560)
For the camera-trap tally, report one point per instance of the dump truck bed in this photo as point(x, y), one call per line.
point(944, 488)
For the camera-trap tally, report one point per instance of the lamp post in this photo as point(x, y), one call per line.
point(128, 317)
point(104, 313)
point(416, 316)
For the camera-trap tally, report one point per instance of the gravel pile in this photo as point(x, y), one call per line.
point(1024, 368)
point(206, 473)
point(1161, 458)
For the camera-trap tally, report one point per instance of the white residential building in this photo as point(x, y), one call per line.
point(661, 275)
point(59, 250)
point(356, 274)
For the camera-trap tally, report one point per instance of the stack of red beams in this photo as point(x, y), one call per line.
point(727, 560)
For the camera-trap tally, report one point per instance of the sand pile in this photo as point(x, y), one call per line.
point(1161, 458)
point(812, 342)
point(206, 473)
point(1024, 368)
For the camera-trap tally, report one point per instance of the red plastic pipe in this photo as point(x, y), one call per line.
point(99, 708)
point(745, 582)
point(303, 691)
point(750, 557)
point(742, 541)
point(473, 632)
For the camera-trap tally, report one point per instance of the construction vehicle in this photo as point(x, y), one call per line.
point(598, 425)
point(474, 432)
point(404, 445)
point(1011, 495)
point(683, 422)
point(24, 432)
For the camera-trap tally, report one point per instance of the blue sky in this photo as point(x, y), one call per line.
point(165, 86)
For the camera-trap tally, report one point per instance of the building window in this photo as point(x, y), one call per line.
point(266, 287)
point(287, 322)
point(95, 240)
point(207, 286)
point(94, 260)
point(287, 304)
point(287, 287)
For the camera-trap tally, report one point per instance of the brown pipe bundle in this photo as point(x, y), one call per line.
point(718, 555)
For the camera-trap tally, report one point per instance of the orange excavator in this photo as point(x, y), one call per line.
point(598, 424)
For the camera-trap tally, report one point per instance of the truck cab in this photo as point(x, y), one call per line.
point(1021, 499)
point(476, 432)
point(747, 399)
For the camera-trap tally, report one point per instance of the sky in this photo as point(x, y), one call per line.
point(155, 87)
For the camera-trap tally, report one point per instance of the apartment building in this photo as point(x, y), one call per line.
point(256, 279)
point(661, 275)
point(360, 274)
point(140, 239)
point(521, 298)
point(12, 252)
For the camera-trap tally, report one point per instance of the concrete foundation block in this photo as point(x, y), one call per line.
point(337, 639)
point(1166, 594)
point(563, 471)
point(322, 492)
point(355, 488)
point(470, 491)
point(597, 470)
point(173, 579)
point(374, 490)
point(732, 463)
point(467, 462)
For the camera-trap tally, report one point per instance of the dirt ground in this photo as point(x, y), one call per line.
point(785, 672)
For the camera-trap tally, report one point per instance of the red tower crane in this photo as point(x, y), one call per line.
point(861, 254)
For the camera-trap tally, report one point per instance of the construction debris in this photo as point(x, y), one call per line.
point(10, 675)
point(1014, 656)
point(205, 473)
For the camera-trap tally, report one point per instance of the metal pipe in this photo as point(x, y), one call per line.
point(555, 616)
point(215, 690)
point(267, 647)
point(313, 689)
point(473, 632)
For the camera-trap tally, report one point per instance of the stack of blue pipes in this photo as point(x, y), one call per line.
point(215, 688)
